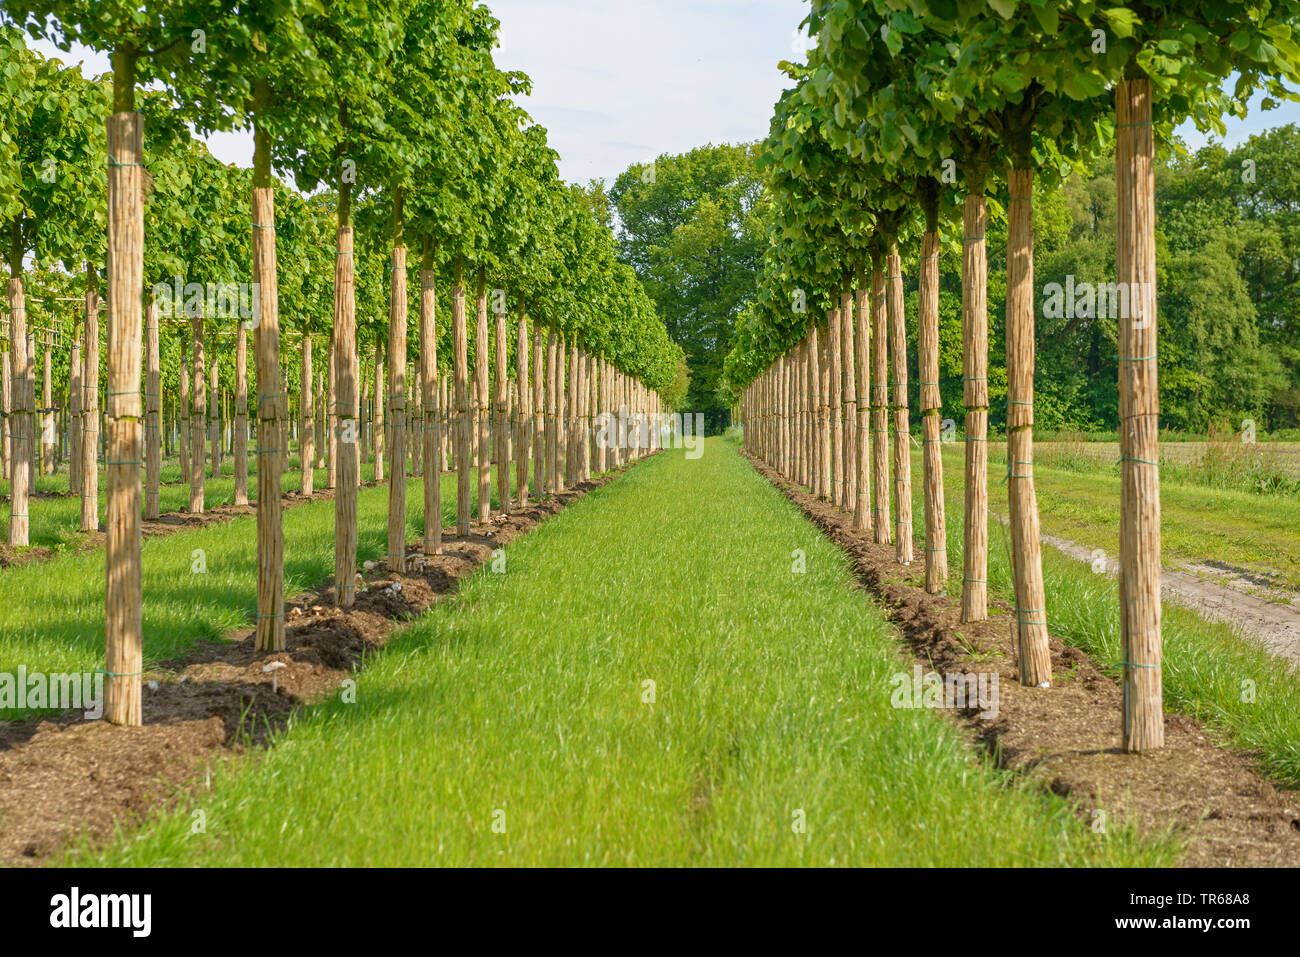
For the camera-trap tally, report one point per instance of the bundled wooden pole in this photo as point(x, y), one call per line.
point(482, 405)
point(346, 374)
point(571, 414)
point(431, 413)
point(588, 413)
point(198, 415)
point(1026, 548)
point(902, 425)
point(835, 405)
point(552, 434)
point(883, 529)
point(21, 418)
point(307, 413)
point(936, 534)
point(501, 403)
point(89, 405)
point(539, 411)
point(332, 417)
point(824, 415)
point(75, 455)
point(1139, 416)
point(814, 423)
point(47, 414)
point(523, 409)
point(214, 418)
point(396, 413)
point(182, 413)
point(849, 419)
point(464, 461)
point(153, 414)
point(975, 392)
point(382, 397)
point(124, 594)
point(271, 408)
point(862, 516)
point(241, 415)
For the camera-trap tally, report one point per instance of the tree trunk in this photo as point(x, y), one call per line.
point(835, 405)
point(848, 401)
point(378, 421)
point(332, 415)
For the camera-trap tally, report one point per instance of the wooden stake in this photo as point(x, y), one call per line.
point(936, 535)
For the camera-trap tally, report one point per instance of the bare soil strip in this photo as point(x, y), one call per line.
point(67, 777)
point(1068, 737)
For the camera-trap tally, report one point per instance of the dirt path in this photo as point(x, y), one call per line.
point(1272, 618)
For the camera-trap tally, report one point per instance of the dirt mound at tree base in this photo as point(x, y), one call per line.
point(65, 777)
point(1069, 736)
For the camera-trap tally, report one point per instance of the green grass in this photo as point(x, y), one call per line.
point(1209, 672)
point(53, 619)
point(56, 522)
point(1198, 524)
point(523, 695)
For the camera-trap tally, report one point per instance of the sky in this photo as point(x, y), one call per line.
point(618, 82)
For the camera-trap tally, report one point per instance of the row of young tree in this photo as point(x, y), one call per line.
point(907, 122)
point(394, 122)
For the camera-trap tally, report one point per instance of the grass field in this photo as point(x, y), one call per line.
point(523, 703)
point(53, 617)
